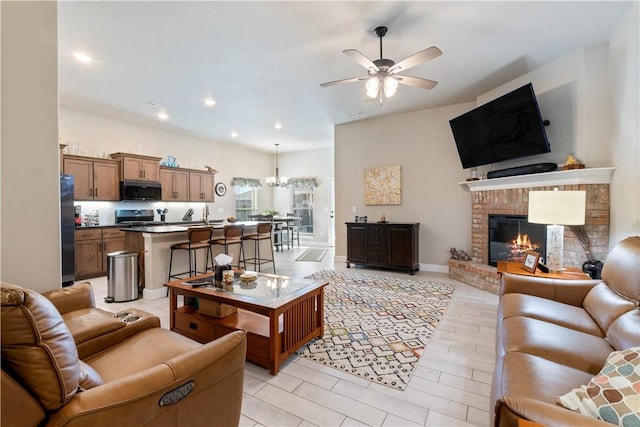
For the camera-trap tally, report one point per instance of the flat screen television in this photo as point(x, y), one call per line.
point(506, 128)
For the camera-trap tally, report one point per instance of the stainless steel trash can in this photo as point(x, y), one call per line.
point(122, 276)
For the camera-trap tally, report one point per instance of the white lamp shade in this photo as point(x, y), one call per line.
point(557, 207)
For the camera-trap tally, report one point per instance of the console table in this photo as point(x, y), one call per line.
point(389, 245)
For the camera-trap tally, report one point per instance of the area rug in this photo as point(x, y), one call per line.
point(377, 327)
point(312, 255)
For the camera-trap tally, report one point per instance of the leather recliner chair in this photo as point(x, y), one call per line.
point(140, 377)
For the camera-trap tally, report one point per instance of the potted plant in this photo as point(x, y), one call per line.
point(591, 266)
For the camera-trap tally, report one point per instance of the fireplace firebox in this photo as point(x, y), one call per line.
point(511, 236)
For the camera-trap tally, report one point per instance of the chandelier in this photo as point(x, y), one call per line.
point(276, 181)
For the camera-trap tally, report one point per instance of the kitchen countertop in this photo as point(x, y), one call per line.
point(125, 226)
point(160, 229)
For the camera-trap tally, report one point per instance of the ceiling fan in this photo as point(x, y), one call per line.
point(382, 81)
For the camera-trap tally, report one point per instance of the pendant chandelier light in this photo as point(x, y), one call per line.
point(276, 181)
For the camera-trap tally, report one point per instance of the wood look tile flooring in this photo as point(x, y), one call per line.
point(450, 386)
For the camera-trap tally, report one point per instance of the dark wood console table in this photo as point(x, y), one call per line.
point(389, 245)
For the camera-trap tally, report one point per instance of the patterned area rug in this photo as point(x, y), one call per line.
point(377, 327)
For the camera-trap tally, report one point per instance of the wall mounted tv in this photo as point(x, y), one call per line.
point(506, 128)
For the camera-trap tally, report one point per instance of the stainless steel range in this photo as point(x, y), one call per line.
point(136, 217)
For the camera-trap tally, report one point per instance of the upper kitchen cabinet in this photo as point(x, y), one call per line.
point(175, 184)
point(138, 167)
point(93, 179)
point(201, 186)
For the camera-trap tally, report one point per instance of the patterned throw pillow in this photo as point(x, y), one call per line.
point(614, 394)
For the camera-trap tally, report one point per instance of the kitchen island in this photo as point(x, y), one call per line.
point(153, 246)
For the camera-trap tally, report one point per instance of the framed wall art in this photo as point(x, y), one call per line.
point(382, 186)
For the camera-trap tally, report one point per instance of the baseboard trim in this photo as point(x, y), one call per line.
point(152, 294)
point(435, 268)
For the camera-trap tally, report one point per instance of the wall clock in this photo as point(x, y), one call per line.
point(221, 189)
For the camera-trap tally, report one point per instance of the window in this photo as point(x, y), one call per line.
point(302, 206)
point(246, 190)
point(246, 202)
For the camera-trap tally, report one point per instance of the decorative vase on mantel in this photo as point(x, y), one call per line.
point(593, 267)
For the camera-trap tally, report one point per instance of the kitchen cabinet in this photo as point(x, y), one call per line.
point(138, 167)
point(91, 248)
point(201, 186)
point(175, 184)
point(94, 179)
point(389, 245)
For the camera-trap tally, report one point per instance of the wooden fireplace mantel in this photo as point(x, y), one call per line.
point(559, 177)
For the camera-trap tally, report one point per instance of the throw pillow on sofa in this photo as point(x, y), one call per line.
point(614, 394)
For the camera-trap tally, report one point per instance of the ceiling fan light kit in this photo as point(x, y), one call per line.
point(382, 81)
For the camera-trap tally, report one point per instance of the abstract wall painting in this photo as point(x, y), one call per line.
point(382, 186)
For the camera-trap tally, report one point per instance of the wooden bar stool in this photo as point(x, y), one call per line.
point(232, 235)
point(263, 234)
point(198, 238)
point(294, 228)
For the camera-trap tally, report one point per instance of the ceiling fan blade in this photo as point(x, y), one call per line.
point(416, 59)
point(416, 82)
point(360, 59)
point(336, 82)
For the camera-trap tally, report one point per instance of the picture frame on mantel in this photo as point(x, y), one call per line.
point(530, 261)
point(382, 186)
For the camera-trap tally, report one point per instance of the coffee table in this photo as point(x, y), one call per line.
point(279, 314)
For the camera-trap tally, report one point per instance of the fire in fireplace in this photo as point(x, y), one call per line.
point(511, 236)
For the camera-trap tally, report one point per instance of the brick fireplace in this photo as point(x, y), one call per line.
point(510, 196)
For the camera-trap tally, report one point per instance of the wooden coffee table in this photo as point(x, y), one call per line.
point(279, 314)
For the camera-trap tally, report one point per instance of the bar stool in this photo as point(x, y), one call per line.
point(280, 236)
point(232, 235)
point(294, 228)
point(263, 233)
point(198, 238)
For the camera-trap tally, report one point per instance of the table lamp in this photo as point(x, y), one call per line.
point(556, 209)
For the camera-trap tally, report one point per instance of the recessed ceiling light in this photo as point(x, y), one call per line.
point(82, 57)
point(162, 115)
point(234, 134)
point(278, 125)
point(209, 102)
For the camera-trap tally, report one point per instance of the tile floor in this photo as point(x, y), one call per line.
point(450, 386)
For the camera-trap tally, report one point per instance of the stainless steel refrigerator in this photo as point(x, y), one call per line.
point(67, 228)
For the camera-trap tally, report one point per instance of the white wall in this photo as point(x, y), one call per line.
point(30, 248)
point(625, 132)
point(422, 145)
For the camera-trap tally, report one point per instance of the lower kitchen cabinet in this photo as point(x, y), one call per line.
point(91, 248)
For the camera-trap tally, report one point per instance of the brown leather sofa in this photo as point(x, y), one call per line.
point(67, 363)
point(556, 335)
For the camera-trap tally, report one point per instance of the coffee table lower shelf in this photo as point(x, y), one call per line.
point(203, 328)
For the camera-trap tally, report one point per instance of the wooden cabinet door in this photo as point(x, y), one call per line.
point(166, 179)
point(195, 187)
point(208, 191)
point(150, 170)
point(106, 185)
point(131, 168)
point(357, 243)
point(82, 171)
point(88, 254)
point(181, 185)
point(201, 187)
point(400, 248)
point(175, 185)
